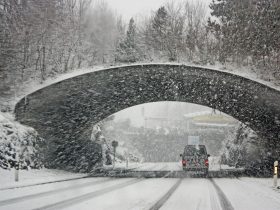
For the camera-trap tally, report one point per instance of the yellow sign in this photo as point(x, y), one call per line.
point(214, 118)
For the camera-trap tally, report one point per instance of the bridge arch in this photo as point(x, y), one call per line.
point(67, 109)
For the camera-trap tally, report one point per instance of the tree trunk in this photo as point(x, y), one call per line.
point(43, 69)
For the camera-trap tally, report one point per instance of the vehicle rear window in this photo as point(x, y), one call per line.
point(192, 150)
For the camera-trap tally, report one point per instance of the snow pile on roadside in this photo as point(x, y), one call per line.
point(266, 182)
point(16, 138)
point(34, 177)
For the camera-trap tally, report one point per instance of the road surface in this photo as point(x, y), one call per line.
point(106, 193)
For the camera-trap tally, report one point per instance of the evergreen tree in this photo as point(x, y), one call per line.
point(131, 34)
point(247, 28)
point(165, 32)
point(128, 50)
point(266, 25)
point(232, 29)
point(159, 29)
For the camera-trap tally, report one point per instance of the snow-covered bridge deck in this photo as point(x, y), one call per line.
point(68, 109)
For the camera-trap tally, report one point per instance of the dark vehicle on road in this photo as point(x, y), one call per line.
point(195, 158)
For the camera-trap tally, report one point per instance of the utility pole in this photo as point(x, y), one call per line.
point(17, 167)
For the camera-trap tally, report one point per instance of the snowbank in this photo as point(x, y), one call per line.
point(32, 177)
point(266, 182)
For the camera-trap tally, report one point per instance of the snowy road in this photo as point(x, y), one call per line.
point(132, 193)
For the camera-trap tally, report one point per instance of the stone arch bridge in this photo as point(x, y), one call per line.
point(69, 108)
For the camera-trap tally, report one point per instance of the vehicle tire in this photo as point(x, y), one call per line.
point(206, 174)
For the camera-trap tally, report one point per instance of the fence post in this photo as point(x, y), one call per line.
point(17, 167)
point(275, 173)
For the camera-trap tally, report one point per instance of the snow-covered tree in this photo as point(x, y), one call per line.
point(128, 49)
point(158, 30)
point(164, 32)
point(246, 31)
point(242, 147)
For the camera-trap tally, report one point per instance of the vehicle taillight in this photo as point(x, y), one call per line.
point(184, 162)
point(206, 162)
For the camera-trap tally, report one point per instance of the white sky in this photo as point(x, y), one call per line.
point(133, 8)
point(167, 109)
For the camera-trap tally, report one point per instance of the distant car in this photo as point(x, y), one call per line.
point(195, 158)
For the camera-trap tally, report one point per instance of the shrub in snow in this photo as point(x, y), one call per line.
point(18, 139)
point(243, 148)
point(235, 148)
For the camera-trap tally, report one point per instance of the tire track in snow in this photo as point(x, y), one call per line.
point(198, 204)
point(79, 199)
point(224, 202)
point(214, 199)
point(50, 192)
point(166, 196)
